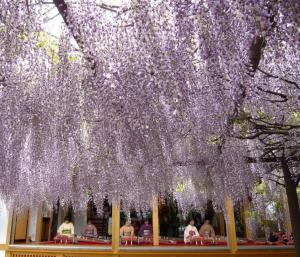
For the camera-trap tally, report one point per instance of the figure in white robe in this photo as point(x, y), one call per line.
point(190, 232)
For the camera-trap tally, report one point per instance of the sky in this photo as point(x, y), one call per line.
point(53, 22)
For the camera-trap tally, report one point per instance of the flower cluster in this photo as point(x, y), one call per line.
point(143, 103)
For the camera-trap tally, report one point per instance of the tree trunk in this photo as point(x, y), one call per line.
point(292, 197)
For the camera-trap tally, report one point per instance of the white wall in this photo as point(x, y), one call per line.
point(33, 218)
point(4, 215)
point(2, 253)
point(79, 221)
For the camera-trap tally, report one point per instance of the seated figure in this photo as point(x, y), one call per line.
point(273, 237)
point(146, 229)
point(207, 230)
point(89, 230)
point(190, 232)
point(65, 232)
point(283, 238)
point(127, 229)
point(127, 233)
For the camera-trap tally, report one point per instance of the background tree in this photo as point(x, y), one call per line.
point(271, 128)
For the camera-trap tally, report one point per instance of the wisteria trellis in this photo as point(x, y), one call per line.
point(136, 107)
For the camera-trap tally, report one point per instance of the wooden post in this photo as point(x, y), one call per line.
point(155, 221)
point(231, 233)
point(39, 223)
point(12, 229)
point(115, 225)
point(9, 227)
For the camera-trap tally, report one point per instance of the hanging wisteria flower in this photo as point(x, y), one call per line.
point(142, 103)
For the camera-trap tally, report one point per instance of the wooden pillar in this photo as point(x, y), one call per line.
point(231, 233)
point(115, 225)
point(39, 223)
point(9, 227)
point(246, 212)
point(11, 237)
point(155, 221)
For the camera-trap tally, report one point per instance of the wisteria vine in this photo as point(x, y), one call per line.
point(143, 103)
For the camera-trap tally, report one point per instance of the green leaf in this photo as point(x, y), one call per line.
point(180, 187)
point(214, 139)
point(261, 114)
point(261, 188)
point(296, 116)
point(278, 205)
point(42, 43)
point(72, 58)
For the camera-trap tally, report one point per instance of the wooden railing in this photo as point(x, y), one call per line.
point(141, 253)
